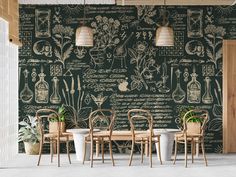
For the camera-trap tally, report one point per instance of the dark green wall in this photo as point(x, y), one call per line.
point(124, 69)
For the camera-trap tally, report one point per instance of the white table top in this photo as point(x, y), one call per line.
point(166, 130)
point(80, 130)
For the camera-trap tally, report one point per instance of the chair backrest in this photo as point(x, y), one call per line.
point(140, 118)
point(102, 119)
point(44, 116)
point(194, 121)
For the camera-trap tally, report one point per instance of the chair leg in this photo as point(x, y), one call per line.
point(58, 152)
point(150, 151)
point(132, 152)
point(186, 152)
point(67, 149)
point(51, 149)
point(159, 150)
point(111, 154)
point(203, 152)
point(142, 151)
point(192, 149)
point(102, 148)
point(40, 151)
point(91, 153)
point(84, 150)
point(97, 148)
point(176, 145)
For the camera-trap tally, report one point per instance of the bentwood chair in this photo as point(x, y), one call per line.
point(53, 137)
point(142, 117)
point(101, 123)
point(192, 133)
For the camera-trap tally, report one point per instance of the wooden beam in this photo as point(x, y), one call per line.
point(175, 2)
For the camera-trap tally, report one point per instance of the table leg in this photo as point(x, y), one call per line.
point(146, 149)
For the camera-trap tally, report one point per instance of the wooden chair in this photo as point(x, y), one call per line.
point(137, 116)
point(54, 138)
point(191, 133)
point(102, 120)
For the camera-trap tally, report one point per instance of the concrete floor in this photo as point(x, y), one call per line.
point(25, 166)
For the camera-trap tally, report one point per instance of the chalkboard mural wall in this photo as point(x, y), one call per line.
point(124, 69)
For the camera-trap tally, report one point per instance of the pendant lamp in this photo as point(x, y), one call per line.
point(84, 34)
point(164, 33)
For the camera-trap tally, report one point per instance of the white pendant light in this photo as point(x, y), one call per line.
point(84, 34)
point(164, 34)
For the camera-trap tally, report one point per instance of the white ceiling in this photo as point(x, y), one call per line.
point(132, 2)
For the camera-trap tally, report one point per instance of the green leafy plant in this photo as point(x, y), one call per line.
point(191, 116)
point(62, 114)
point(29, 131)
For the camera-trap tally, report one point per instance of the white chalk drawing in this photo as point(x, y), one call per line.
point(57, 18)
point(186, 74)
point(42, 23)
point(194, 89)
point(62, 38)
point(55, 97)
point(217, 107)
point(195, 47)
point(72, 91)
point(215, 124)
point(208, 69)
point(145, 14)
point(34, 75)
point(42, 47)
point(99, 100)
point(145, 66)
point(162, 85)
point(120, 53)
point(80, 52)
point(67, 95)
point(225, 10)
point(55, 70)
point(194, 23)
point(123, 86)
point(68, 73)
point(105, 36)
point(178, 94)
point(26, 40)
point(26, 95)
point(214, 37)
point(126, 19)
point(41, 89)
point(219, 149)
point(73, 9)
point(207, 97)
point(209, 17)
point(87, 99)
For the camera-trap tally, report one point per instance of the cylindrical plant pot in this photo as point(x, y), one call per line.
point(31, 148)
point(53, 127)
point(193, 127)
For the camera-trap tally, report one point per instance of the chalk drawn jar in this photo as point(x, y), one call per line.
point(26, 95)
point(207, 97)
point(194, 89)
point(41, 89)
point(178, 94)
point(55, 98)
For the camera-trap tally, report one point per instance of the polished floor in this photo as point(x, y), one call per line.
point(25, 166)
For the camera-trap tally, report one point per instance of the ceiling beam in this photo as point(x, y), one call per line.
point(66, 2)
point(175, 2)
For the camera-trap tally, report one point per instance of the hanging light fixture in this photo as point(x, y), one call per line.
point(84, 34)
point(164, 34)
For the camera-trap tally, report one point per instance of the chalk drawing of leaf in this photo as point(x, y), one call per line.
point(149, 21)
point(209, 42)
point(83, 113)
point(68, 52)
point(219, 42)
point(57, 54)
point(210, 36)
point(132, 53)
point(219, 54)
point(57, 42)
point(215, 124)
point(135, 84)
point(209, 54)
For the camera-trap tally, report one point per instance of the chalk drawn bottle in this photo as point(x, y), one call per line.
point(207, 97)
point(178, 94)
point(55, 98)
point(41, 89)
point(194, 89)
point(26, 95)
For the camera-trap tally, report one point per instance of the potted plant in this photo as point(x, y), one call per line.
point(192, 118)
point(55, 121)
point(29, 134)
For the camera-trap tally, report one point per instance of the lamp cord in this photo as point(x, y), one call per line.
point(164, 14)
point(84, 14)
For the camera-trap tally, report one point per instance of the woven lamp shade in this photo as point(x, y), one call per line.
point(164, 36)
point(84, 36)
